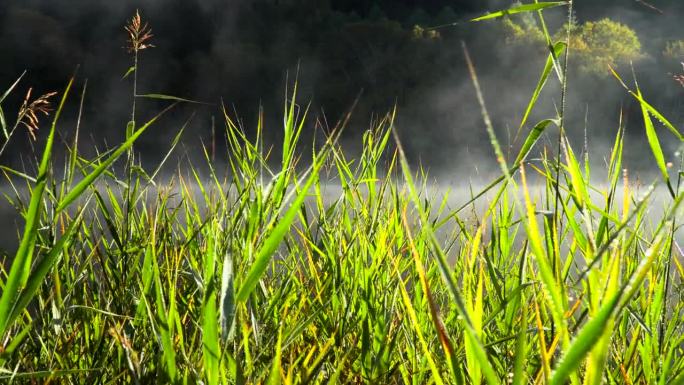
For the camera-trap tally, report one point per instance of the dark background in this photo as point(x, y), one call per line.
point(243, 52)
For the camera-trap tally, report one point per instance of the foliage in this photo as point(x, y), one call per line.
point(596, 45)
point(605, 43)
point(674, 50)
point(524, 33)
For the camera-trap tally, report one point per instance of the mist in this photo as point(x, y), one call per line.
point(246, 54)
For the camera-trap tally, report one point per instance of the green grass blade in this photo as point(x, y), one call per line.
point(20, 269)
point(274, 377)
point(227, 299)
point(88, 180)
point(650, 108)
point(271, 244)
point(593, 331)
point(12, 87)
point(445, 270)
point(532, 138)
point(654, 143)
point(165, 324)
point(521, 9)
point(558, 49)
point(169, 97)
point(210, 333)
point(584, 342)
point(43, 268)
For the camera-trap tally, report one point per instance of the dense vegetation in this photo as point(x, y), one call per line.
point(312, 267)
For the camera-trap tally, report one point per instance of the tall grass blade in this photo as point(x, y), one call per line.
point(521, 9)
point(558, 49)
point(19, 272)
point(101, 167)
point(654, 143)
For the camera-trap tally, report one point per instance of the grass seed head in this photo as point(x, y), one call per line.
point(28, 113)
point(139, 34)
point(679, 79)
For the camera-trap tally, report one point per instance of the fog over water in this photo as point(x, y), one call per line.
point(456, 194)
point(245, 53)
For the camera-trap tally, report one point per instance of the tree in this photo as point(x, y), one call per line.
point(605, 43)
point(674, 51)
point(522, 28)
point(522, 34)
point(596, 45)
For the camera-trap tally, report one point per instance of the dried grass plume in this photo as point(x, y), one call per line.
point(138, 34)
point(28, 113)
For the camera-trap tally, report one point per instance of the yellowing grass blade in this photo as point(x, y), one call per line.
point(436, 375)
point(592, 332)
point(444, 337)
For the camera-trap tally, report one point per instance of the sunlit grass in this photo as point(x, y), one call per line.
point(262, 275)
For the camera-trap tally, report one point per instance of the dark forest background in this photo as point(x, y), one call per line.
point(404, 52)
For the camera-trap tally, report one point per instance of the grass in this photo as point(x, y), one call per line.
point(261, 276)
